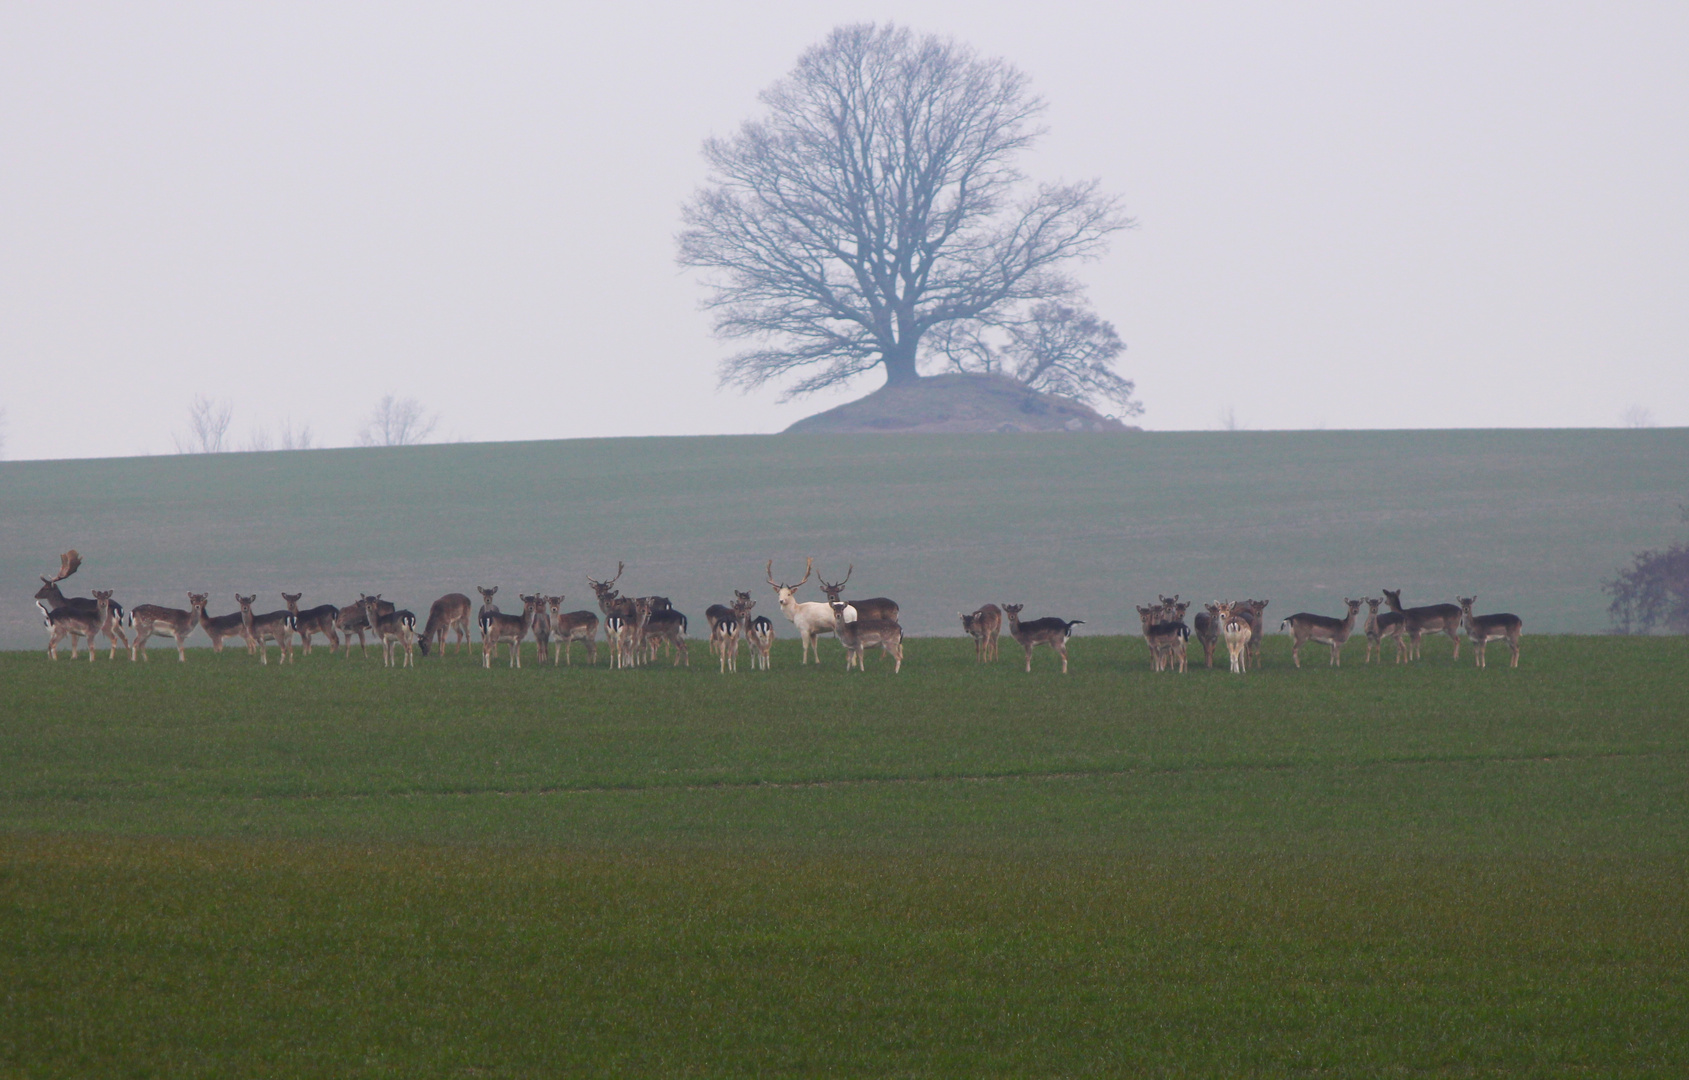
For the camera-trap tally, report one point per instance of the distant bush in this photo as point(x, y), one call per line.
point(1652, 591)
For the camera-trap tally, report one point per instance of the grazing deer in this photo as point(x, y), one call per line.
point(318, 620)
point(1304, 626)
point(497, 626)
point(146, 618)
point(568, 627)
point(875, 607)
point(392, 627)
point(271, 624)
point(724, 641)
point(1483, 629)
point(1436, 618)
point(859, 634)
point(1165, 633)
point(759, 634)
point(1050, 631)
point(70, 622)
point(811, 619)
point(1210, 625)
point(984, 625)
point(1237, 633)
point(450, 612)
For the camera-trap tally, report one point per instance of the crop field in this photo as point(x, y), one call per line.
point(1081, 526)
point(226, 869)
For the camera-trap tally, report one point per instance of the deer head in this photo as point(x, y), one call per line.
point(832, 590)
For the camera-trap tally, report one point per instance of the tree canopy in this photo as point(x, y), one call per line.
point(878, 201)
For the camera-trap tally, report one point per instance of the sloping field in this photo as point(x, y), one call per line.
point(1084, 526)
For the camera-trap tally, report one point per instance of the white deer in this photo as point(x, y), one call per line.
point(811, 619)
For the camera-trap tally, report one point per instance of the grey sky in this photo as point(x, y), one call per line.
point(1351, 215)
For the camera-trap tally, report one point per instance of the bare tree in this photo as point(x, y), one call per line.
point(1229, 420)
point(295, 438)
point(1637, 416)
point(397, 421)
point(208, 427)
point(879, 200)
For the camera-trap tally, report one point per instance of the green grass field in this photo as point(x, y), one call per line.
point(224, 869)
point(1082, 526)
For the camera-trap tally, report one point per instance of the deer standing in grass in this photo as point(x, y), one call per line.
point(1304, 627)
point(1048, 631)
point(858, 635)
point(568, 627)
point(1483, 629)
point(984, 626)
point(271, 624)
point(1209, 627)
point(811, 619)
point(496, 626)
point(724, 641)
point(1237, 633)
point(63, 622)
point(147, 618)
point(1435, 618)
point(875, 607)
point(1165, 633)
point(620, 613)
point(759, 635)
point(449, 613)
point(50, 599)
point(1378, 627)
point(663, 626)
point(321, 619)
point(392, 627)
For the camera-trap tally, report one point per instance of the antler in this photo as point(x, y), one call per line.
point(68, 562)
point(619, 567)
point(807, 567)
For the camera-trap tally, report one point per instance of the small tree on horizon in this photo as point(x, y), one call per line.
point(1652, 591)
point(396, 421)
point(208, 427)
point(878, 201)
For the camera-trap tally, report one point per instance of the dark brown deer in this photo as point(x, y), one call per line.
point(1304, 626)
point(1433, 618)
point(450, 612)
point(663, 627)
point(1209, 626)
point(50, 599)
point(1483, 629)
point(145, 619)
point(1048, 631)
point(984, 626)
point(875, 607)
point(568, 627)
point(63, 622)
point(318, 620)
point(859, 635)
point(1165, 633)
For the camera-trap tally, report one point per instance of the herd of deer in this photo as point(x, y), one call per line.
point(638, 628)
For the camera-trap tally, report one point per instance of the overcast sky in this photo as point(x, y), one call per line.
point(1350, 214)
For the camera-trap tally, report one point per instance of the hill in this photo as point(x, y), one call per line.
point(951, 404)
point(1081, 525)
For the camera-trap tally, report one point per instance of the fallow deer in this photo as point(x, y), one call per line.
point(1378, 627)
point(568, 627)
point(352, 620)
point(450, 612)
point(1483, 629)
point(811, 619)
point(70, 622)
point(510, 629)
point(1435, 618)
point(759, 634)
point(620, 615)
point(1237, 633)
point(541, 629)
point(1254, 612)
point(742, 603)
point(1304, 626)
point(984, 626)
point(271, 624)
point(1048, 631)
point(49, 599)
point(146, 618)
point(395, 626)
point(1209, 627)
point(219, 628)
point(724, 641)
point(860, 634)
point(875, 607)
point(318, 620)
point(1165, 633)
point(663, 627)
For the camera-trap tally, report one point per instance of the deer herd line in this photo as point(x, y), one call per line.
point(637, 629)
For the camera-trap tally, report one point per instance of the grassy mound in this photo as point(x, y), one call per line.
point(950, 404)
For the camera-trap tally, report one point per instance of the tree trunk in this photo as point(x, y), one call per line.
point(900, 365)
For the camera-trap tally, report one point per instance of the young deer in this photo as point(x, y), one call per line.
point(271, 624)
point(724, 641)
point(811, 619)
point(742, 603)
point(318, 620)
point(219, 628)
point(392, 627)
point(1237, 634)
point(1378, 627)
point(759, 634)
point(450, 612)
point(541, 629)
point(859, 635)
point(568, 627)
point(147, 618)
point(1483, 629)
point(984, 626)
point(1049, 631)
point(1165, 633)
point(497, 626)
point(1323, 629)
point(70, 622)
point(1435, 618)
